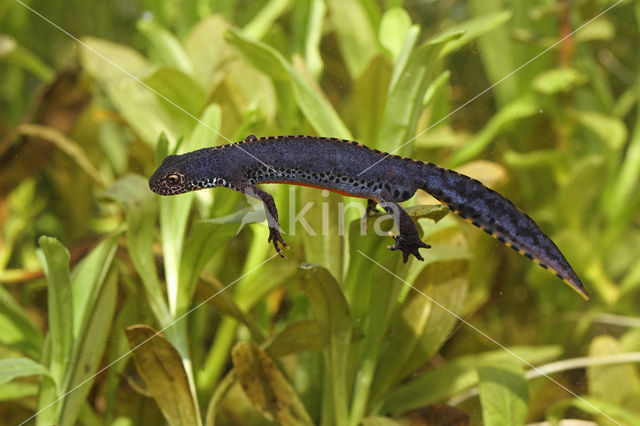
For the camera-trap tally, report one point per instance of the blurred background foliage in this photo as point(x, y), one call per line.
point(92, 263)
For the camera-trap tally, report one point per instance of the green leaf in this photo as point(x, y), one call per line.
point(313, 37)
point(18, 330)
point(181, 89)
point(205, 238)
point(202, 136)
point(17, 390)
point(113, 66)
point(474, 28)
point(160, 366)
point(314, 103)
point(559, 80)
point(266, 387)
point(214, 293)
point(87, 279)
point(332, 313)
point(615, 384)
point(517, 110)
point(356, 35)
point(404, 102)
point(261, 55)
point(265, 19)
point(421, 326)
point(504, 394)
point(132, 193)
point(19, 56)
point(11, 368)
point(165, 46)
point(90, 348)
point(457, 375)
point(55, 262)
point(595, 407)
point(310, 99)
point(394, 28)
point(207, 49)
point(301, 336)
point(611, 131)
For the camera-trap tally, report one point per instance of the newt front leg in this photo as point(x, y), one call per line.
point(272, 216)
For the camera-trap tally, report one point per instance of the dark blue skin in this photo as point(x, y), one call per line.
point(338, 165)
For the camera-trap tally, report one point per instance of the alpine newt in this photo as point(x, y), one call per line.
point(345, 167)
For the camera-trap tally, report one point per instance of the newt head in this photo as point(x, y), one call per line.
point(179, 174)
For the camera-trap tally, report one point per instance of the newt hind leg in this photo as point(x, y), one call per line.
point(408, 241)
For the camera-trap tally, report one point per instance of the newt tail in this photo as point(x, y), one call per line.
point(353, 169)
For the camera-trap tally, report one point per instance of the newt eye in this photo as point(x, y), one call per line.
point(173, 179)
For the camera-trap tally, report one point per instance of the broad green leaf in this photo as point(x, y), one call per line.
point(202, 136)
point(599, 29)
point(132, 193)
point(116, 69)
point(331, 310)
point(161, 368)
point(17, 390)
point(214, 293)
point(310, 99)
point(394, 28)
point(19, 56)
point(314, 104)
point(356, 36)
point(205, 238)
point(532, 159)
point(435, 87)
point(261, 55)
point(90, 348)
point(49, 405)
point(610, 130)
point(18, 330)
point(164, 45)
point(181, 89)
point(422, 326)
point(87, 279)
point(265, 19)
point(404, 55)
point(595, 407)
point(365, 104)
point(404, 102)
point(207, 49)
point(615, 384)
point(504, 394)
point(559, 80)
point(457, 375)
point(11, 368)
point(301, 336)
point(322, 239)
point(475, 28)
point(266, 387)
point(380, 299)
point(518, 109)
point(55, 262)
point(582, 188)
point(97, 56)
point(625, 185)
point(313, 36)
